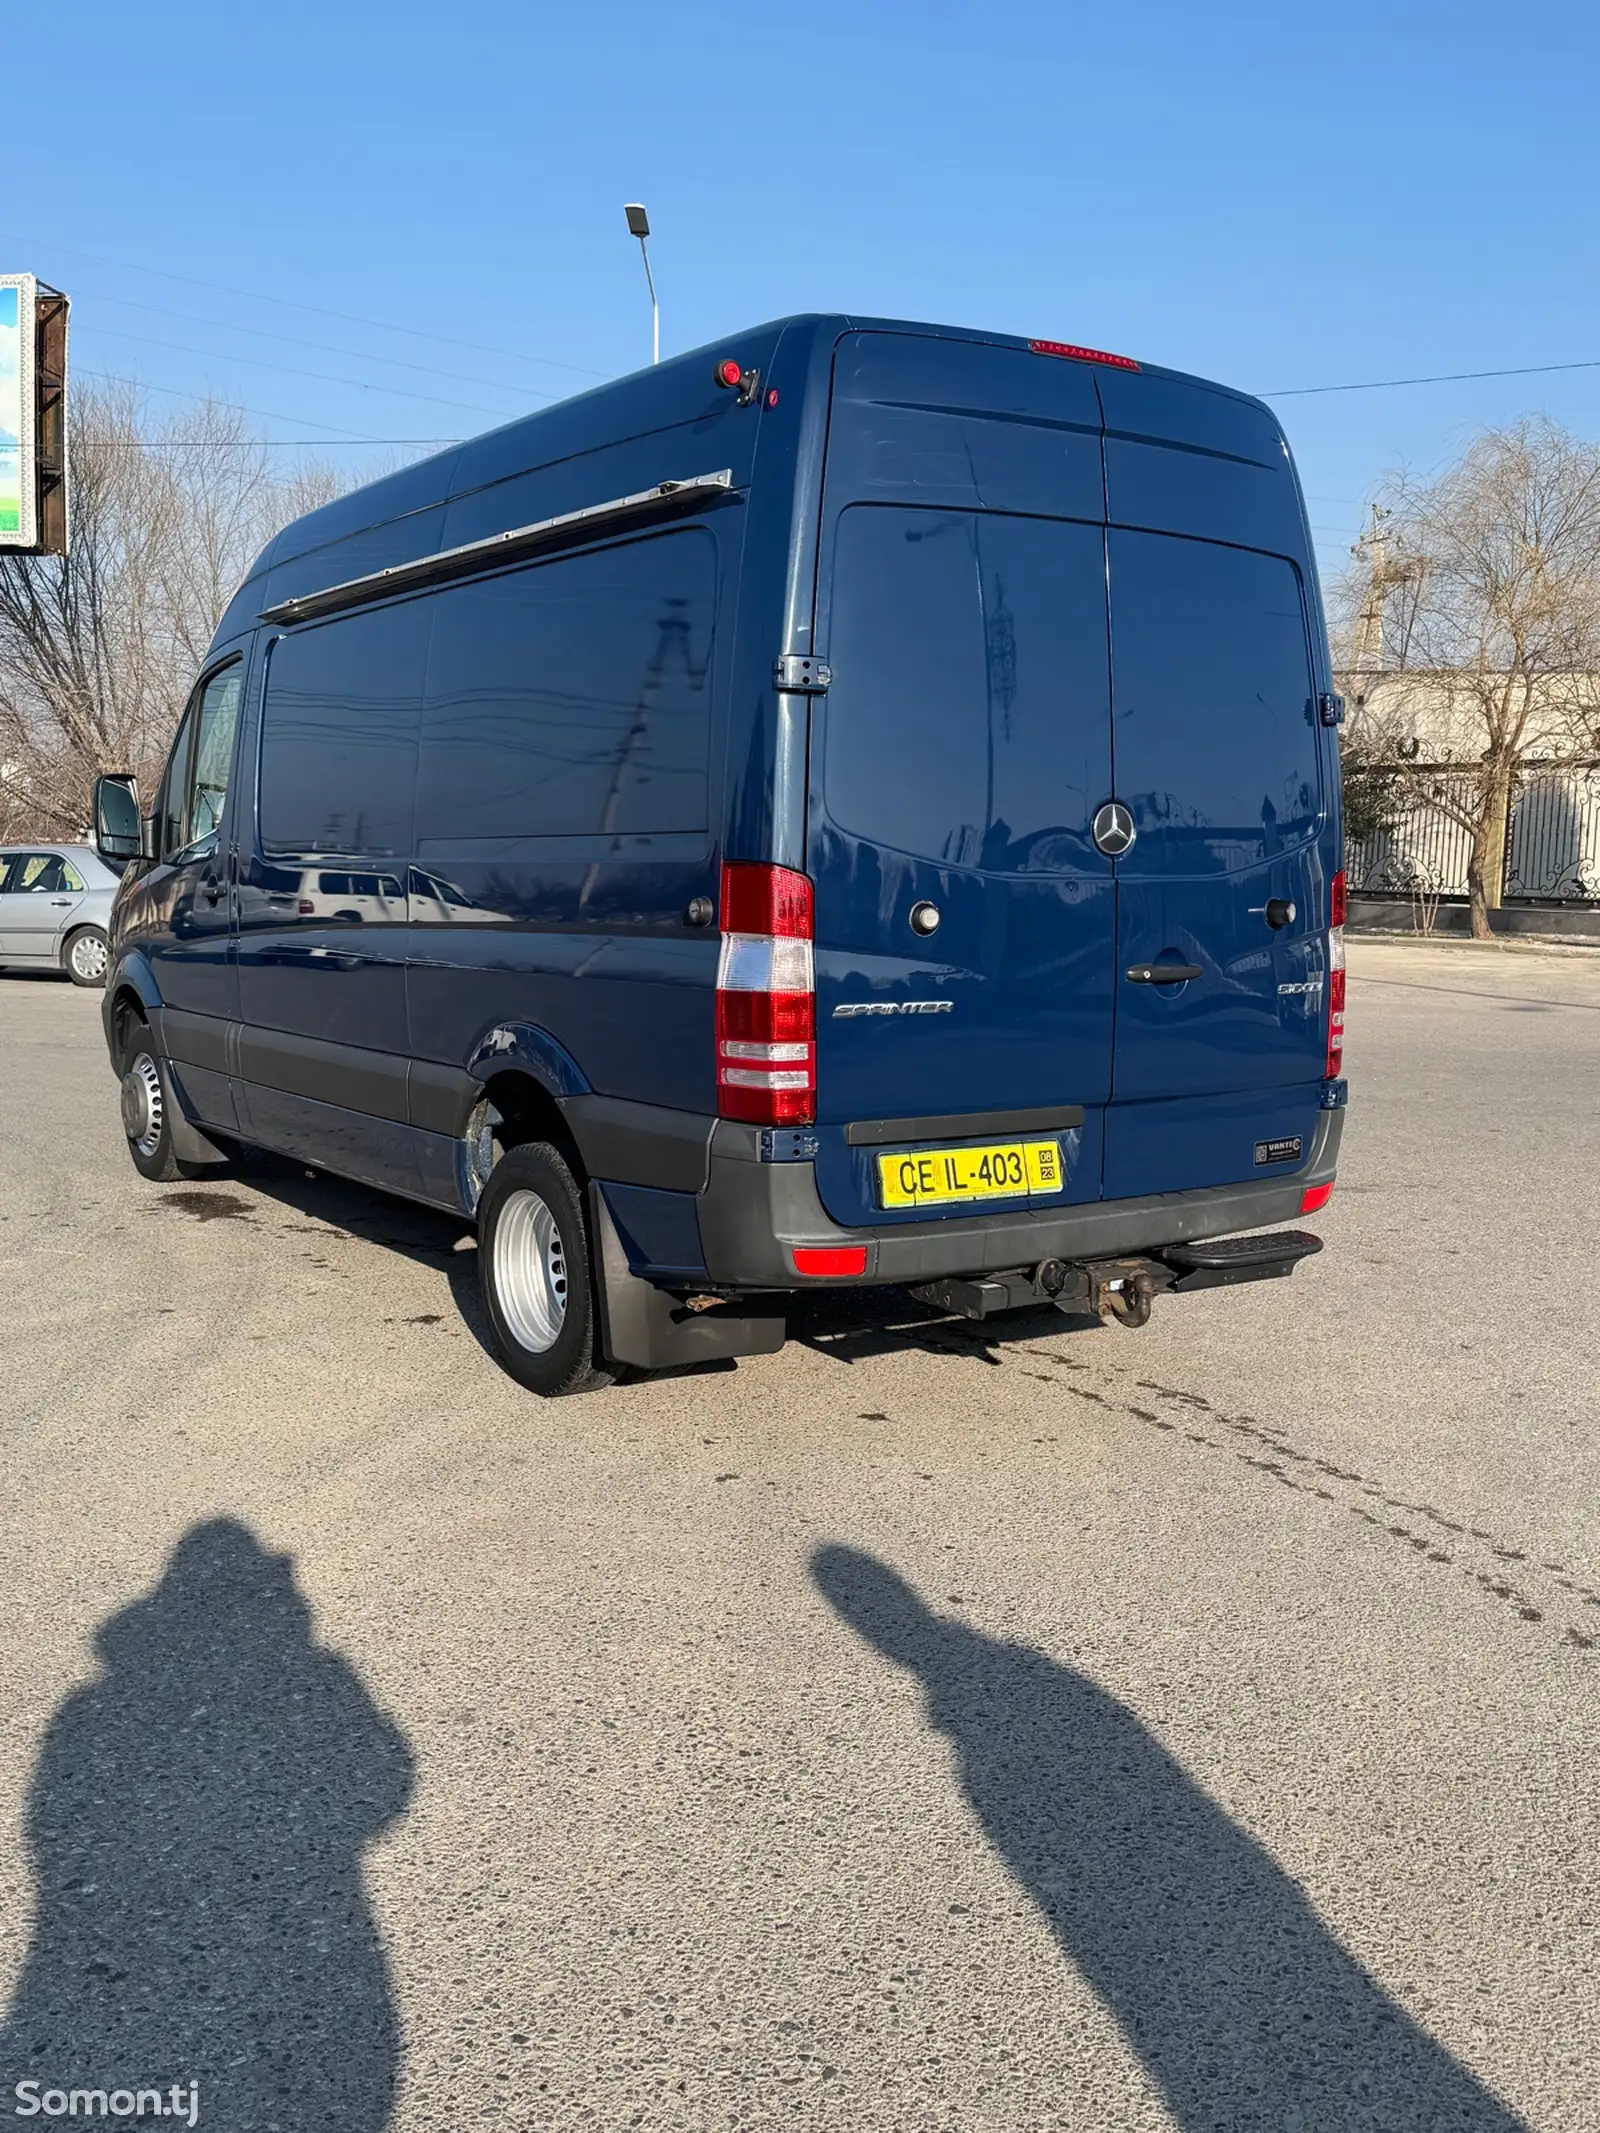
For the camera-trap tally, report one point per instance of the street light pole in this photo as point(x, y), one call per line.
point(639, 226)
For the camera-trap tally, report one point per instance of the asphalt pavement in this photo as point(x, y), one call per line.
point(929, 1726)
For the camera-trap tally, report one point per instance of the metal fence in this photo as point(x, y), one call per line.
point(1552, 849)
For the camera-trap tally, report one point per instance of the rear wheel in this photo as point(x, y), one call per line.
point(86, 956)
point(534, 1262)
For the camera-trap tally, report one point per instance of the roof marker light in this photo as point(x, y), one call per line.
point(1075, 354)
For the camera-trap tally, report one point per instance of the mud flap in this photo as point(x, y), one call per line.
point(643, 1326)
point(189, 1144)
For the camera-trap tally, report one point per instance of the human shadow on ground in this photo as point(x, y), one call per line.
point(1242, 2007)
point(197, 1822)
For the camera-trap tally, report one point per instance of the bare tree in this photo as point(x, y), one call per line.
point(1490, 611)
point(97, 651)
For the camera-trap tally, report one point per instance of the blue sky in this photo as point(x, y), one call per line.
point(1276, 196)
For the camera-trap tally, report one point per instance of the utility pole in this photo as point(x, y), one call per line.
point(1389, 570)
point(1372, 549)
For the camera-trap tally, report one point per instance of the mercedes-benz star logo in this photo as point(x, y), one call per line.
point(1113, 829)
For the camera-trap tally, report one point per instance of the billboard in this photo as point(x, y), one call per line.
point(33, 393)
point(16, 410)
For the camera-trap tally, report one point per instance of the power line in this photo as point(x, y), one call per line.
point(298, 340)
point(322, 377)
point(255, 444)
point(1444, 377)
point(337, 434)
point(255, 296)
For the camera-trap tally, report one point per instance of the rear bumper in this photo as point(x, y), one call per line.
point(753, 1214)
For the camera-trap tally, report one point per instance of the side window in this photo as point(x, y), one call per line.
point(213, 753)
point(174, 785)
point(195, 788)
point(573, 697)
point(37, 874)
point(968, 717)
point(339, 733)
point(71, 878)
point(1214, 720)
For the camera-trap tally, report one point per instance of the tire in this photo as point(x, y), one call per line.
point(86, 956)
point(535, 1265)
point(146, 1107)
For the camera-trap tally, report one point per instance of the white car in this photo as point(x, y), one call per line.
point(55, 910)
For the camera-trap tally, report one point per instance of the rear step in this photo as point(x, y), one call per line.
point(1218, 1261)
point(1123, 1289)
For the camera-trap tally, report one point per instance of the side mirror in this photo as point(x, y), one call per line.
point(117, 829)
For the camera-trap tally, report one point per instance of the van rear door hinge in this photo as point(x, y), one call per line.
point(799, 672)
point(1332, 709)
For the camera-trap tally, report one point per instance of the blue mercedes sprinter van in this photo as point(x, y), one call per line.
point(856, 804)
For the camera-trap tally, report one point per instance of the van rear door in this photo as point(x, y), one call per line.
point(1221, 759)
point(956, 763)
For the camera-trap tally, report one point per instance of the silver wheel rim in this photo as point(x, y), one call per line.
point(144, 1104)
point(89, 956)
point(530, 1271)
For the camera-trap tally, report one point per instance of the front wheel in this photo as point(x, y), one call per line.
point(87, 956)
point(147, 1110)
point(533, 1259)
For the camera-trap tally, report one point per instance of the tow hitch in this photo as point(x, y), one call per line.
point(1121, 1291)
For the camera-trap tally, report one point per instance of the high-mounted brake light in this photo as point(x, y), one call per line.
point(1075, 354)
point(1336, 911)
point(766, 998)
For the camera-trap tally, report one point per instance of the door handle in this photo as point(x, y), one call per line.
point(1163, 973)
point(63, 903)
point(211, 889)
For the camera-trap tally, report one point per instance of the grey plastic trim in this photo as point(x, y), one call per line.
point(196, 1040)
point(497, 548)
point(752, 1215)
point(440, 1098)
point(346, 1075)
point(962, 1126)
point(640, 1144)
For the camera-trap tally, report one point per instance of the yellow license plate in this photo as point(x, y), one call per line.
point(1005, 1172)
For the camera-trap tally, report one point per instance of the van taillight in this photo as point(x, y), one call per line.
point(766, 998)
point(1336, 910)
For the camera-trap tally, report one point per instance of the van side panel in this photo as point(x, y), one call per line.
point(554, 736)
